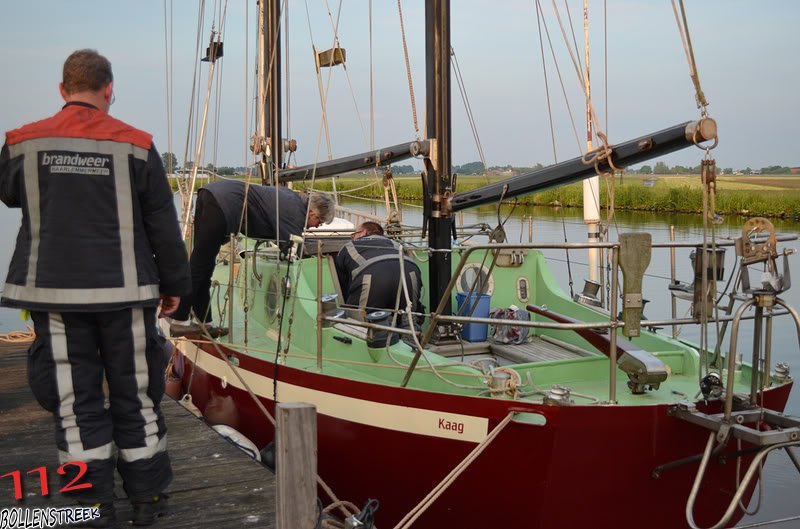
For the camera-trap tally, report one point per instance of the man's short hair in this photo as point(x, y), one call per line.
point(322, 204)
point(86, 71)
point(372, 228)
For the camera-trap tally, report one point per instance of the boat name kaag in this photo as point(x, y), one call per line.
point(452, 426)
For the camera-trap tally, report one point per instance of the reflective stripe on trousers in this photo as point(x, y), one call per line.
point(72, 354)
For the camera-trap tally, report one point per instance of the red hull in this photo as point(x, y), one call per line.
point(588, 466)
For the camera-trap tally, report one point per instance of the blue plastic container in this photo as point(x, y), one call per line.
point(474, 332)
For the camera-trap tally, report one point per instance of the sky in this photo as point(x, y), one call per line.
point(746, 52)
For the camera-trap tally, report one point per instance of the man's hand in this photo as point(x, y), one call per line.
point(169, 304)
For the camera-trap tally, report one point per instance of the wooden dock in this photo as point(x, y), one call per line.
point(216, 484)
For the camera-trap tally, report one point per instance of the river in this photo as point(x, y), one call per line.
point(548, 226)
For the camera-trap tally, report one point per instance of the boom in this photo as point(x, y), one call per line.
point(628, 153)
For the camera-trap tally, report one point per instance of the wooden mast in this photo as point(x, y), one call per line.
point(438, 163)
point(268, 141)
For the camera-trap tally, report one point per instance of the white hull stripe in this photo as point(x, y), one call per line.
point(377, 414)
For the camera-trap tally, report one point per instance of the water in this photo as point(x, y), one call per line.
point(549, 225)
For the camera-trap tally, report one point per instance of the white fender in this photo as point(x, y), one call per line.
point(237, 438)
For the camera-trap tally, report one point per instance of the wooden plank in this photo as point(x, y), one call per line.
point(296, 465)
point(216, 484)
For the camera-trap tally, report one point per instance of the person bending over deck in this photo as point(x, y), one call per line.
point(368, 269)
point(98, 247)
point(218, 214)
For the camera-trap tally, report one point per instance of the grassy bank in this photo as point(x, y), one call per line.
point(754, 196)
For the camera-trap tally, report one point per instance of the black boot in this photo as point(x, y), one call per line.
point(146, 512)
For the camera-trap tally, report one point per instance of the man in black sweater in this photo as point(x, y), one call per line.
point(274, 213)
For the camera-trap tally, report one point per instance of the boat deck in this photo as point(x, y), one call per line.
point(216, 484)
point(537, 349)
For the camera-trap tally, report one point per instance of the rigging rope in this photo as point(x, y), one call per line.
point(408, 71)
point(603, 153)
point(186, 193)
point(171, 167)
point(539, 17)
point(200, 146)
point(323, 93)
point(409, 519)
point(686, 39)
point(560, 77)
point(546, 84)
point(470, 116)
point(18, 337)
point(371, 86)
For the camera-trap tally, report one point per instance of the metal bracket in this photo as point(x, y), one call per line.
point(631, 301)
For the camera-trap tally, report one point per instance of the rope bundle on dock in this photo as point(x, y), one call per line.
point(18, 337)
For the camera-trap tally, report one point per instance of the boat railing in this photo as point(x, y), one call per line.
point(613, 322)
point(465, 252)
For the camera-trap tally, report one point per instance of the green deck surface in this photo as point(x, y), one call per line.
point(586, 376)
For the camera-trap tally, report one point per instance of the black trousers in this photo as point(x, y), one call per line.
point(67, 362)
point(210, 233)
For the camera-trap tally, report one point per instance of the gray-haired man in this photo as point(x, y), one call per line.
point(219, 213)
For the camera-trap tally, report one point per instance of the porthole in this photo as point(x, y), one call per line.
point(475, 274)
point(523, 289)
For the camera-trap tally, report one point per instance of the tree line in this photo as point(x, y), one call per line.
point(660, 168)
point(171, 165)
point(477, 168)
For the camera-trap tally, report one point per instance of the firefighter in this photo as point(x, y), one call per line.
point(368, 270)
point(99, 246)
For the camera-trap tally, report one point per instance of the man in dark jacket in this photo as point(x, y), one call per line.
point(98, 247)
point(271, 213)
point(368, 269)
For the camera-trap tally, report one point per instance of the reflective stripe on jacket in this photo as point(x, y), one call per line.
point(99, 228)
point(369, 274)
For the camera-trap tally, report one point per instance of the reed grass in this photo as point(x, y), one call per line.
point(780, 197)
point(669, 194)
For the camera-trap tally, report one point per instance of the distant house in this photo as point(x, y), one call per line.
point(795, 170)
point(202, 174)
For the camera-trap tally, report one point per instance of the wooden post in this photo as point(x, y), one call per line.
point(296, 465)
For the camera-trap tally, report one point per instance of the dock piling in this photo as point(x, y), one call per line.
point(296, 465)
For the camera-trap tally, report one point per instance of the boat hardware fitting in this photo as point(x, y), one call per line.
point(781, 373)
point(711, 387)
point(634, 257)
point(558, 396)
point(589, 294)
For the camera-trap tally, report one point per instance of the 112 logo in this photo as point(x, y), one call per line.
point(73, 485)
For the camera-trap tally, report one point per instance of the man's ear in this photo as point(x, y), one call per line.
point(63, 92)
point(108, 91)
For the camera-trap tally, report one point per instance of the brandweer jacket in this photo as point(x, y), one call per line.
point(99, 229)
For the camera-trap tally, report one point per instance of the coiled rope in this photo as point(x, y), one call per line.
point(18, 337)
